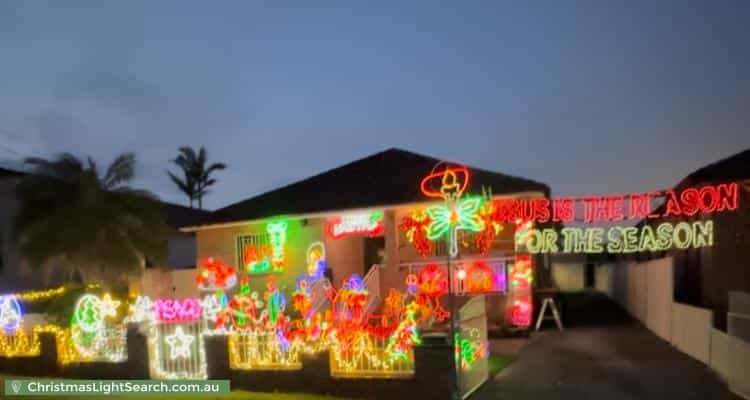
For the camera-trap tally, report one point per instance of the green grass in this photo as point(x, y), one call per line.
point(497, 363)
point(234, 395)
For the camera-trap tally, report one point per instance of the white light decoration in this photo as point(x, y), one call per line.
point(356, 224)
point(176, 350)
point(109, 306)
point(140, 310)
point(11, 315)
point(211, 307)
point(179, 344)
point(93, 338)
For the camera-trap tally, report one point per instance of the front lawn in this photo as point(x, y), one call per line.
point(497, 363)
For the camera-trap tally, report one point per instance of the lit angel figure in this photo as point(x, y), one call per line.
point(11, 315)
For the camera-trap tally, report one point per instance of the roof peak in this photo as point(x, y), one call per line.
point(385, 178)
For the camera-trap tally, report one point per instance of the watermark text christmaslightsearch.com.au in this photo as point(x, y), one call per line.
point(67, 387)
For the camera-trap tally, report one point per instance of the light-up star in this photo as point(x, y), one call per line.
point(179, 344)
point(108, 307)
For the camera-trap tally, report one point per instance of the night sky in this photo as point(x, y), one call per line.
point(596, 98)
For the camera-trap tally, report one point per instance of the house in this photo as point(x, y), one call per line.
point(181, 245)
point(704, 276)
point(353, 216)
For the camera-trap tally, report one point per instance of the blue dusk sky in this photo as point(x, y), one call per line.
point(587, 96)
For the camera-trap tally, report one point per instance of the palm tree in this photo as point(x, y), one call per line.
point(92, 225)
point(197, 177)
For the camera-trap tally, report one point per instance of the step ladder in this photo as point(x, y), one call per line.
point(549, 302)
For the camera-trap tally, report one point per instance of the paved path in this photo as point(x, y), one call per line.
point(602, 355)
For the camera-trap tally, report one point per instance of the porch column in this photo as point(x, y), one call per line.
point(390, 276)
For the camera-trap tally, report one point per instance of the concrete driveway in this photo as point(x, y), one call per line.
point(602, 354)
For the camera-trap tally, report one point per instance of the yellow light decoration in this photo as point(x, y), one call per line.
point(19, 344)
point(39, 295)
point(262, 350)
point(368, 358)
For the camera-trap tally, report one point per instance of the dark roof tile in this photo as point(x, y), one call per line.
point(387, 178)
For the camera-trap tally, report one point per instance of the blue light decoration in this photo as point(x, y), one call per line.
point(355, 283)
point(11, 314)
point(316, 261)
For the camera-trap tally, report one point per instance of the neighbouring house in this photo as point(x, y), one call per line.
point(704, 276)
point(351, 216)
point(14, 276)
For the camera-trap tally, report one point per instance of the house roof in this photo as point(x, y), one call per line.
point(9, 173)
point(179, 215)
point(386, 178)
point(733, 168)
point(10, 169)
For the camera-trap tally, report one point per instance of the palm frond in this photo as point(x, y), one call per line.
point(95, 225)
point(185, 185)
point(121, 170)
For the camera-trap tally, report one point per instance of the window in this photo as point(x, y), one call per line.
point(259, 241)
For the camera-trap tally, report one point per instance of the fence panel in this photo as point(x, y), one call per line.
point(177, 351)
point(472, 347)
point(658, 296)
point(262, 351)
point(691, 331)
point(367, 357)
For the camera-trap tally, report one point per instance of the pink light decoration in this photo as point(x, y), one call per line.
point(174, 310)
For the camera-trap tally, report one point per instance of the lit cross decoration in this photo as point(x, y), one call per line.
point(457, 213)
point(179, 344)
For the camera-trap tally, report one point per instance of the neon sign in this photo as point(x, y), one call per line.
point(415, 227)
point(215, 274)
point(277, 232)
point(616, 239)
point(612, 208)
point(177, 310)
point(456, 214)
point(370, 224)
